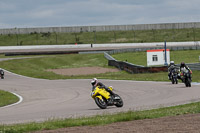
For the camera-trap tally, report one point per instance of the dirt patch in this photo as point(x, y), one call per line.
point(82, 71)
point(178, 124)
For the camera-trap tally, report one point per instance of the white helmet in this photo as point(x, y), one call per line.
point(94, 81)
point(171, 62)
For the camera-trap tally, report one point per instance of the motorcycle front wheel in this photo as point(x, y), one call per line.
point(189, 83)
point(172, 80)
point(101, 103)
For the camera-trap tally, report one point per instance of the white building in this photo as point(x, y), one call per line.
point(157, 57)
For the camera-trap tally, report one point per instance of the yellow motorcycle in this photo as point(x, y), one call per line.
point(103, 98)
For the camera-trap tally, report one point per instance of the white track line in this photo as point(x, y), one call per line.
point(23, 75)
point(20, 100)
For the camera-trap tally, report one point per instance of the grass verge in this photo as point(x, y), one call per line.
point(7, 98)
point(140, 58)
point(170, 35)
point(37, 67)
point(103, 119)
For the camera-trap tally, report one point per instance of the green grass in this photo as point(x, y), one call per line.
point(7, 98)
point(103, 119)
point(140, 58)
point(171, 35)
point(37, 67)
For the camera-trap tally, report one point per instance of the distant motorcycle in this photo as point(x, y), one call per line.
point(2, 74)
point(101, 96)
point(186, 77)
point(174, 76)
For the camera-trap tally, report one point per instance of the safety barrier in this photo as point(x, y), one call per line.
point(132, 68)
point(192, 66)
point(175, 48)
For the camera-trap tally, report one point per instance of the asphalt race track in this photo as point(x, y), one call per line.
point(49, 99)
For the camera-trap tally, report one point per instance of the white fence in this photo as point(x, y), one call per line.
point(100, 28)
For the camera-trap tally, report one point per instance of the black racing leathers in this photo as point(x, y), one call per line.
point(102, 86)
point(170, 69)
point(186, 67)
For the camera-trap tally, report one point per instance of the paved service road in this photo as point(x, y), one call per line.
point(48, 99)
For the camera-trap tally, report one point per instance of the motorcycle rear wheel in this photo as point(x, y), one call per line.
point(119, 102)
point(176, 81)
point(172, 81)
point(101, 103)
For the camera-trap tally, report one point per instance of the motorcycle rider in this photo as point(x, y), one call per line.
point(171, 67)
point(182, 67)
point(96, 83)
point(1, 73)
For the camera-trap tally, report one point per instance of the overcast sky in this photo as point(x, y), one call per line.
point(57, 13)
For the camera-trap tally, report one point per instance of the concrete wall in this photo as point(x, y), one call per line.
point(101, 28)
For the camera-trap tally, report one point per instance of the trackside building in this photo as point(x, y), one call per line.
point(157, 57)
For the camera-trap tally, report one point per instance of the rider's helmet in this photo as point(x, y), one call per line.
point(94, 81)
point(171, 62)
point(182, 64)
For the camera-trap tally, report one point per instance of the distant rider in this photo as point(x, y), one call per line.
point(2, 73)
point(182, 67)
point(171, 67)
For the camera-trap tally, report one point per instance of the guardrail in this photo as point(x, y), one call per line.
point(192, 66)
point(195, 66)
point(132, 68)
point(175, 48)
point(108, 57)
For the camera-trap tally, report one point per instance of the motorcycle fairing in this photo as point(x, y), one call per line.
point(100, 92)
